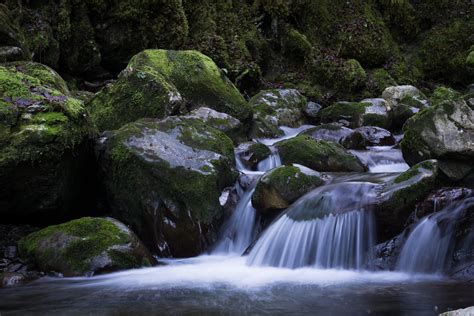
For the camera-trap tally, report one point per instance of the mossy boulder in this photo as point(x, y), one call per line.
point(227, 124)
point(444, 132)
point(318, 155)
point(353, 74)
point(280, 187)
point(159, 83)
point(251, 153)
point(274, 108)
point(46, 158)
point(397, 199)
point(331, 132)
point(372, 112)
point(85, 246)
point(164, 179)
point(367, 136)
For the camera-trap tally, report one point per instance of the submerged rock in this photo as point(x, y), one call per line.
point(318, 155)
point(444, 132)
point(85, 246)
point(274, 108)
point(367, 136)
point(159, 83)
point(165, 177)
point(332, 132)
point(46, 157)
point(280, 187)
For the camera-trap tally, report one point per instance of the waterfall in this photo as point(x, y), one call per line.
point(331, 227)
point(239, 231)
point(271, 162)
point(429, 246)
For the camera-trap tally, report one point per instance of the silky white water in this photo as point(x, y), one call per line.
point(430, 244)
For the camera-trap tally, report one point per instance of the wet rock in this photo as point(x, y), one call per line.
point(460, 312)
point(318, 155)
point(438, 199)
point(367, 136)
point(274, 108)
point(332, 132)
point(280, 187)
point(159, 83)
point(444, 132)
point(369, 112)
point(251, 153)
point(8, 279)
point(46, 157)
point(385, 255)
point(397, 199)
point(227, 124)
point(85, 246)
point(11, 53)
point(164, 178)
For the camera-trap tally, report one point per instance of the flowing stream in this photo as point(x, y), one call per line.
point(311, 259)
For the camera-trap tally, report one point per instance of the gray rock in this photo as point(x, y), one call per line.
point(367, 136)
point(332, 132)
point(274, 108)
point(444, 132)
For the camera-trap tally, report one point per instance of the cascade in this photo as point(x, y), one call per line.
point(430, 245)
point(330, 227)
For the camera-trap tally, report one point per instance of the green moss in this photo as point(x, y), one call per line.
point(470, 59)
point(59, 122)
point(444, 51)
point(351, 111)
point(318, 155)
point(442, 94)
point(259, 151)
point(197, 78)
point(91, 237)
point(296, 45)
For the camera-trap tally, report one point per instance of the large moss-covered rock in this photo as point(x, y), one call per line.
point(318, 155)
point(164, 178)
point(373, 112)
point(280, 187)
point(85, 246)
point(158, 83)
point(445, 132)
point(397, 199)
point(274, 108)
point(45, 148)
